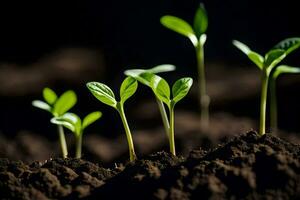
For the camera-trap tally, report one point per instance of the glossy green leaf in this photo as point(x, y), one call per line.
point(64, 103)
point(161, 89)
point(49, 96)
point(91, 118)
point(180, 26)
point(274, 57)
point(70, 121)
point(200, 21)
point(288, 45)
point(41, 105)
point(181, 87)
point(285, 69)
point(128, 88)
point(103, 93)
point(253, 56)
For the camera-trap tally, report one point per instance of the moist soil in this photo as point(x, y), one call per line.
point(245, 167)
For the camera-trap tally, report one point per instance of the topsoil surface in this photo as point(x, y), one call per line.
point(246, 167)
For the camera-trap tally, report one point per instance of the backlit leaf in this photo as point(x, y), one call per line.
point(180, 88)
point(200, 21)
point(288, 45)
point(49, 96)
point(285, 69)
point(103, 93)
point(91, 118)
point(161, 89)
point(64, 103)
point(128, 88)
point(41, 105)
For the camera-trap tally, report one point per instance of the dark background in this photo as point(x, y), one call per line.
point(129, 34)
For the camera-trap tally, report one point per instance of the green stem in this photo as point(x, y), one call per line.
point(263, 102)
point(273, 105)
point(120, 109)
point(62, 141)
point(204, 99)
point(164, 116)
point(171, 132)
point(78, 146)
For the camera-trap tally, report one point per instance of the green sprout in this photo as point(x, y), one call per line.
point(273, 99)
point(180, 89)
point(144, 76)
point(266, 64)
point(72, 122)
point(104, 94)
point(197, 36)
point(57, 106)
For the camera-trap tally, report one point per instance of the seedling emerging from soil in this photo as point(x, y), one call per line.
point(72, 122)
point(266, 64)
point(104, 94)
point(197, 36)
point(162, 91)
point(273, 99)
point(57, 106)
point(144, 76)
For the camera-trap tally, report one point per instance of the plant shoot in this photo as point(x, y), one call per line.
point(104, 94)
point(197, 36)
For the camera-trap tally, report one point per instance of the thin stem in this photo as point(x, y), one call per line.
point(171, 132)
point(273, 105)
point(62, 141)
point(204, 99)
point(263, 102)
point(120, 109)
point(164, 116)
point(78, 146)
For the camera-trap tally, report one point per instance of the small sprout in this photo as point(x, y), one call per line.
point(273, 99)
point(162, 91)
point(197, 36)
point(144, 76)
point(57, 106)
point(104, 94)
point(266, 64)
point(72, 122)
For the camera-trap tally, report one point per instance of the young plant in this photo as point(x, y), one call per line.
point(72, 122)
point(197, 36)
point(273, 99)
point(266, 64)
point(144, 76)
point(57, 106)
point(104, 94)
point(180, 89)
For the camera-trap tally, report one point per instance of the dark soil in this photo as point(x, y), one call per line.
point(246, 167)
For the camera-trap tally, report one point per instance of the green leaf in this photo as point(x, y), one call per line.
point(41, 105)
point(200, 21)
point(128, 88)
point(253, 56)
point(64, 103)
point(180, 88)
point(103, 93)
point(180, 26)
point(161, 89)
point(202, 39)
point(273, 57)
point(91, 118)
point(69, 120)
point(162, 68)
point(285, 69)
point(49, 96)
point(288, 45)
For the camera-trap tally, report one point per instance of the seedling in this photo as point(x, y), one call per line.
point(57, 106)
point(72, 122)
point(180, 89)
point(104, 94)
point(266, 64)
point(197, 36)
point(273, 99)
point(144, 76)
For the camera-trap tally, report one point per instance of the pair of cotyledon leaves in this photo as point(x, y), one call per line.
point(196, 34)
point(159, 86)
point(54, 104)
point(273, 57)
point(72, 122)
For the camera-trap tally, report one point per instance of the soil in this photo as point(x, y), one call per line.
point(246, 167)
